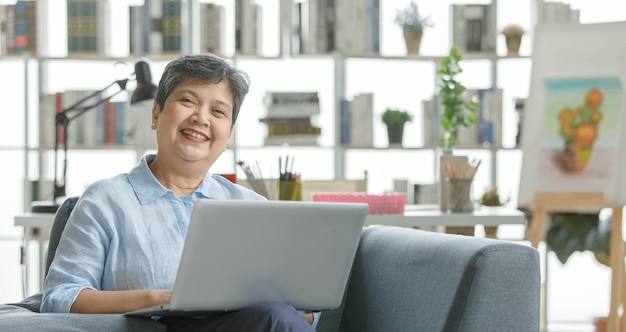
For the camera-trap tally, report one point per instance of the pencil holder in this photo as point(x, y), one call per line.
point(289, 191)
point(458, 192)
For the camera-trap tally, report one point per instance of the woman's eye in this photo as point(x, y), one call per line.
point(187, 101)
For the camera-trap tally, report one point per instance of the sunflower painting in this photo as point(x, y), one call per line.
point(581, 127)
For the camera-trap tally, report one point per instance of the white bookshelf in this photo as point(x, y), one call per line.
point(335, 76)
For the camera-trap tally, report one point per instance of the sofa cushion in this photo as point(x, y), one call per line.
point(24, 316)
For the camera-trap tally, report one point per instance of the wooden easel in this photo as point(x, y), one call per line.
point(545, 202)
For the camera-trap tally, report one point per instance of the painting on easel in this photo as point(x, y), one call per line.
point(580, 130)
point(575, 116)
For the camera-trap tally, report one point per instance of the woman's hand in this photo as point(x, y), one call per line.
point(309, 317)
point(91, 301)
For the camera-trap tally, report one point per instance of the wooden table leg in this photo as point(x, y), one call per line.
point(537, 226)
point(616, 261)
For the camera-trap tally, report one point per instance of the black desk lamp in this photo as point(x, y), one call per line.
point(145, 90)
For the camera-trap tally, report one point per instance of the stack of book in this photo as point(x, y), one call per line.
point(486, 132)
point(556, 12)
point(18, 28)
point(111, 123)
point(158, 27)
point(248, 23)
point(289, 116)
point(324, 26)
point(474, 27)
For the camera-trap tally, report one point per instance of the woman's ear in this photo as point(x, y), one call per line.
point(155, 115)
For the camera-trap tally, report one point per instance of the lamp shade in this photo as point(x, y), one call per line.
point(145, 90)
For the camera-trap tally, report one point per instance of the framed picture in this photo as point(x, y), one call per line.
point(575, 115)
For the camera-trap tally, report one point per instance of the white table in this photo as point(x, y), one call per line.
point(416, 216)
point(36, 228)
point(37, 225)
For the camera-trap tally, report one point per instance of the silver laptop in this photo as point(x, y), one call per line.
point(238, 253)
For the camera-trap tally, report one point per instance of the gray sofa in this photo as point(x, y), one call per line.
point(402, 280)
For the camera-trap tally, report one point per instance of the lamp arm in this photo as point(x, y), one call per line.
point(76, 107)
point(62, 120)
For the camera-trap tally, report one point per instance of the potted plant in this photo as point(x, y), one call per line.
point(491, 197)
point(457, 171)
point(413, 25)
point(395, 119)
point(513, 36)
point(570, 232)
point(457, 111)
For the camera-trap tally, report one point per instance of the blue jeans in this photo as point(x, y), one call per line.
point(266, 317)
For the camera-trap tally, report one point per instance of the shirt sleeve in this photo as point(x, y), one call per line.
point(316, 318)
point(79, 259)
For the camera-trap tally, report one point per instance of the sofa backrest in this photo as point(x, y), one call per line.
point(60, 219)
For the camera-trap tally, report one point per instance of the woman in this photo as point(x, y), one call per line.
point(122, 243)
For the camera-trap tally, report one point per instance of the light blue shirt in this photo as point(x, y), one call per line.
point(127, 232)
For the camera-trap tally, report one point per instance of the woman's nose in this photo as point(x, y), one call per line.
point(202, 116)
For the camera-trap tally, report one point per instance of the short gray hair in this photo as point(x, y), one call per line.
point(205, 68)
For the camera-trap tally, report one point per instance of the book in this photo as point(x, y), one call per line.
point(372, 35)
point(47, 112)
point(357, 26)
point(279, 98)
point(146, 28)
point(87, 26)
point(58, 107)
point(431, 122)
point(120, 122)
point(297, 37)
point(557, 12)
point(25, 28)
point(138, 130)
point(212, 27)
point(81, 128)
point(171, 20)
point(295, 140)
point(110, 112)
point(247, 27)
point(291, 111)
point(345, 121)
point(487, 131)
point(7, 27)
point(20, 37)
point(361, 120)
point(292, 129)
point(519, 115)
point(138, 23)
point(291, 104)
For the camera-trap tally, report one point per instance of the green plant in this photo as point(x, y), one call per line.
point(394, 116)
point(457, 111)
point(408, 18)
point(570, 232)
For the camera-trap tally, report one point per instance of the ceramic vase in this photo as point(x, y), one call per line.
point(413, 41)
point(512, 44)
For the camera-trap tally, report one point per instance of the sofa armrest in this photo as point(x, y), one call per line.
point(24, 316)
point(406, 280)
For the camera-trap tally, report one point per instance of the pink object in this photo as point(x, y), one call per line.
point(378, 204)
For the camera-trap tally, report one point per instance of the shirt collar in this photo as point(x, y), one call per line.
point(147, 188)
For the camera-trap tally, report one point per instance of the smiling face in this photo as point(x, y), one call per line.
point(195, 122)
